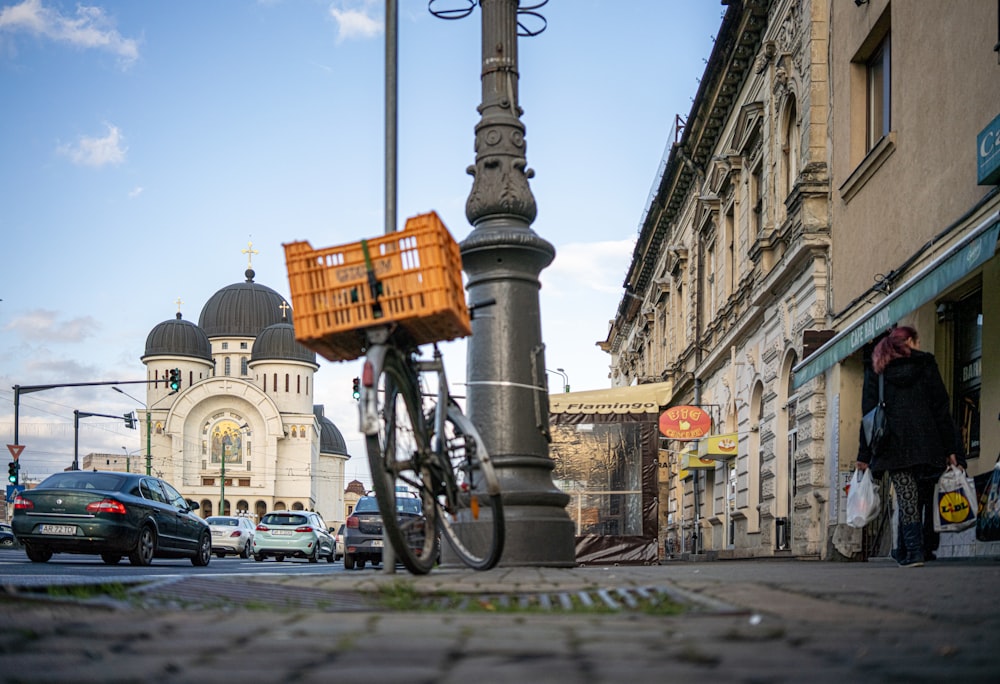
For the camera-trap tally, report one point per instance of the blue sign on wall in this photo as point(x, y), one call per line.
point(988, 153)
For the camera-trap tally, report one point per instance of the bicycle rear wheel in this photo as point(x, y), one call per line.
point(471, 509)
point(399, 460)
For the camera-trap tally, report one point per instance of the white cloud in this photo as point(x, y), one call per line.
point(97, 152)
point(90, 28)
point(42, 324)
point(135, 192)
point(581, 266)
point(356, 20)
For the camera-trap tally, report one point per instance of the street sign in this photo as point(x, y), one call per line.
point(15, 450)
point(12, 491)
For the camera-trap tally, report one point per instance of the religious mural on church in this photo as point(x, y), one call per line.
point(227, 441)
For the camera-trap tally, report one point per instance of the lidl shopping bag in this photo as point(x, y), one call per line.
point(954, 501)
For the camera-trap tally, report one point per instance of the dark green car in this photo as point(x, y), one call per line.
point(112, 515)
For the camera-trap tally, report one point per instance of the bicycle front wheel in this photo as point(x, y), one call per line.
point(471, 516)
point(401, 477)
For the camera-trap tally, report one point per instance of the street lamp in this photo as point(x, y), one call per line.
point(222, 487)
point(149, 420)
point(565, 377)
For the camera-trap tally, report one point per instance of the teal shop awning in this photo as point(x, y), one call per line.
point(963, 257)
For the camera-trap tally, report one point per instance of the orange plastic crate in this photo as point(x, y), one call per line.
point(420, 270)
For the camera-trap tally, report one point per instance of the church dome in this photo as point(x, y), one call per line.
point(330, 440)
point(177, 337)
point(277, 342)
point(242, 310)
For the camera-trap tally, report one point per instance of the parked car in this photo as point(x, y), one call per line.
point(363, 529)
point(6, 535)
point(112, 515)
point(298, 534)
point(339, 540)
point(231, 534)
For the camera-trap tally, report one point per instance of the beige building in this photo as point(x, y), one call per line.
point(915, 90)
point(823, 186)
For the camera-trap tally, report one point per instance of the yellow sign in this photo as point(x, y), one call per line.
point(690, 460)
point(719, 445)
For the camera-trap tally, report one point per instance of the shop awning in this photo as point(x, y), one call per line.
point(973, 250)
point(648, 398)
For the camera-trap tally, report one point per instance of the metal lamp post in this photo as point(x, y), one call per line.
point(507, 395)
point(565, 377)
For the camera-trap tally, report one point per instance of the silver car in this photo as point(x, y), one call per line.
point(293, 534)
point(231, 534)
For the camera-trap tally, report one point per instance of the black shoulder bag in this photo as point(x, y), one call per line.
point(874, 422)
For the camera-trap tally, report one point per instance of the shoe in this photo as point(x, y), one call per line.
point(911, 547)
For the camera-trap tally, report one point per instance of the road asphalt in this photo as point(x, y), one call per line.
point(738, 621)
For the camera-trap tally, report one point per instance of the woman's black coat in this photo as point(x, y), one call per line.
point(921, 431)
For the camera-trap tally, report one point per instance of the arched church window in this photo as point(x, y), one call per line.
point(244, 366)
point(286, 383)
point(227, 442)
point(228, 366)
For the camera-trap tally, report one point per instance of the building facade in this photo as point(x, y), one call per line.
point(241, 435)
point(829, 159)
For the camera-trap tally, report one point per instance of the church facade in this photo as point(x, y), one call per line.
point(241, 436)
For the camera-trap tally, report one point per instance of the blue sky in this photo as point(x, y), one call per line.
point(143, 145)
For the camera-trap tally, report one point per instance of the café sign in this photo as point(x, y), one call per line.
point(685, 423)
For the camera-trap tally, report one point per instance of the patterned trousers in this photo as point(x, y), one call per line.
point(907, 496)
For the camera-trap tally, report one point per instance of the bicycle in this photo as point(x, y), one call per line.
point(421, 441)
point(348, 304)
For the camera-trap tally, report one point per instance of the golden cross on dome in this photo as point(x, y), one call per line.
point(249, 251)
point(178, 303)
point(284, 310)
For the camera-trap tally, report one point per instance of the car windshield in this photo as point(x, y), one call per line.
point(284, 519)
point(81, 479)
point(228, 522)
point(408, 506)
point(366, 504)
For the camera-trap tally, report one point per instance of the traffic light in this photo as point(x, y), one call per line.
point(175, 379)
point(12, 472)
point(130, 420)
point(356, 390)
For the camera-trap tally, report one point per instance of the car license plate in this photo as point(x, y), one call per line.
point(281, 533)
point(377, 543)
point(58, 529)
point(217, 533)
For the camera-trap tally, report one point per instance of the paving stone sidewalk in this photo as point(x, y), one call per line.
point(745, 621)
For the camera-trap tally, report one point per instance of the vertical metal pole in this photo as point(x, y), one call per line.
point(76, 439)
point(391, 107)
point(507, 390)
point(222, 489)
point(149, 443)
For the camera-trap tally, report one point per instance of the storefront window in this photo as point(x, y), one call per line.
point(968, 316)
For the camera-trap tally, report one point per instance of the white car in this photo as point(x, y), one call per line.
point(231, 534)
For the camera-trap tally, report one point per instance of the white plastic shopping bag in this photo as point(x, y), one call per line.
point(862, 499)
point(954, 501)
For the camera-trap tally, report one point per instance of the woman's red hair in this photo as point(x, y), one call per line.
point(893, 346)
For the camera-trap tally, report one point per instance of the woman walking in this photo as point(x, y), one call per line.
point(922, 439)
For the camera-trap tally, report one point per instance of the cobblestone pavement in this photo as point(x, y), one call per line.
point(743, 621)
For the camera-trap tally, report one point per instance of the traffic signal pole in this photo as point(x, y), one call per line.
point(27, 389)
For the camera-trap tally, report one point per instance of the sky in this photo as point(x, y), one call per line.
point(145, 145)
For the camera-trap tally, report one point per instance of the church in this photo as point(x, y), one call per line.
point(241, 435)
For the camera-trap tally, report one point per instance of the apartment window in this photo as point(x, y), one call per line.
point(878, 100)
point(757, 198)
